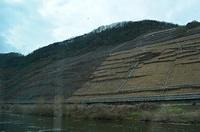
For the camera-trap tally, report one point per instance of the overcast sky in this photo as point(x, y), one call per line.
point(26, 25)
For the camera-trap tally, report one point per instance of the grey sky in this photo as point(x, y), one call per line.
point(29, 24)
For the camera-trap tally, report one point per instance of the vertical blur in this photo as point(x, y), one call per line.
point(58, 95)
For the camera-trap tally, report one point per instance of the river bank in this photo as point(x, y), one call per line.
point(148, 112)
point(31, 123)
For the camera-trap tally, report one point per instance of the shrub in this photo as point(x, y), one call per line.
point(193, 24)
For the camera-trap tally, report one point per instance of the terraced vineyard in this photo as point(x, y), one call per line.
point(167, 70)
point(61, 68)
point(139, 61)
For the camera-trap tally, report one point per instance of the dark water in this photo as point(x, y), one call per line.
point(24, 123)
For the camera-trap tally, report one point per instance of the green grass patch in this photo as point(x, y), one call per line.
point(174, 110)
point(135, 115)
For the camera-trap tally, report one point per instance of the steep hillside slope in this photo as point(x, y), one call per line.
point(167, 70)
point(64, 67)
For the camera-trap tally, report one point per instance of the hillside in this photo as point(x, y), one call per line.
point(75, 65)
point(160, 71)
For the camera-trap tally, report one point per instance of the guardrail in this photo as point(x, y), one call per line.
point(113, 100)
point(134, 99)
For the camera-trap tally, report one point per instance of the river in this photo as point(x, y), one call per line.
point(25, 123)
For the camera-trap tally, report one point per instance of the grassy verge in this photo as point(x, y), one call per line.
point(170, 113)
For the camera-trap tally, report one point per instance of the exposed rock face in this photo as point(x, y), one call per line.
point(168, 70)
